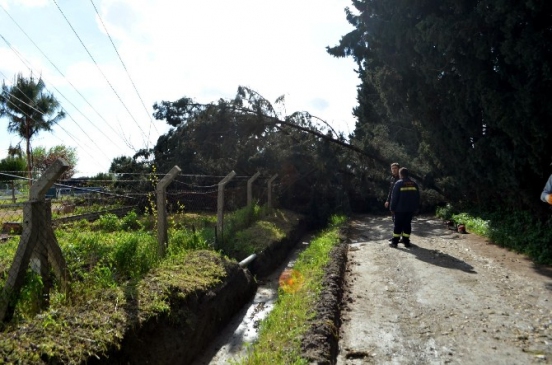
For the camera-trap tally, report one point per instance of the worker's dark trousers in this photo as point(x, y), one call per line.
point(403, 224)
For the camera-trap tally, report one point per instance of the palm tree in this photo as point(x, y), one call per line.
point(30, 109)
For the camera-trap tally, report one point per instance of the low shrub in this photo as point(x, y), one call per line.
point(516, 230)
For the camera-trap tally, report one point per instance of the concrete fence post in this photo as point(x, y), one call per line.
point(161, 195)
point(38, 246)
point(250, 188)
point(270, 205)
point(220, 208)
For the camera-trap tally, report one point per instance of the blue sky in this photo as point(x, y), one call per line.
point(203, 49)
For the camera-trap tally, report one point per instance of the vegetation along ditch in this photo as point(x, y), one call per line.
point(123, 296)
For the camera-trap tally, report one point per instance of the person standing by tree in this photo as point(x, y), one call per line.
point(29, 109)
point(392, 180)
point(405, 201)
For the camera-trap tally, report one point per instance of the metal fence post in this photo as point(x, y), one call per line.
point(250, 188)
point(161, 194)
point(220, 207)
point(270, 190)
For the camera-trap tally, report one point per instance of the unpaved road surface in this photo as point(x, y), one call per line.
point(449, 299)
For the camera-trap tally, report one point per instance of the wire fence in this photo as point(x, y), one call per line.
point(68, 203)
point(34, 215)
point(82, 198)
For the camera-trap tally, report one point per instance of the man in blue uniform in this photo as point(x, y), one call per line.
point(405, 201)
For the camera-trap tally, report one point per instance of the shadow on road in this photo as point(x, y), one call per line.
point(428, 227)
point(544, 271)
point(379, 228)
point(438, 258)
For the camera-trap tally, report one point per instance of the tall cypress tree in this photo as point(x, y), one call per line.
point(467, 82)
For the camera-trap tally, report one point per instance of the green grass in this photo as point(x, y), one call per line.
point(115, 270)
point(109, 253)
point(269, 227)
point(280, 333)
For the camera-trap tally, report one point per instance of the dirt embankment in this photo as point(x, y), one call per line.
point(449, 299)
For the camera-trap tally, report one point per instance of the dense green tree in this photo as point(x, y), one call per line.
point(132, 173)
point(249, 134)
point(458, 89)
point(30, 109)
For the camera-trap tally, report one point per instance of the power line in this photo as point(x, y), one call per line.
point(98, 147)
point(84, 149)
point(124, 66)
point(61, 73)
point(146, 142)
point(16, 106)
point(27, 64)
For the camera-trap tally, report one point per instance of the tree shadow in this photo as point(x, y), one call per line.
point(366, 229)
point(545, 271)
point(432, 227)
point(378, 229)
point(438, 258)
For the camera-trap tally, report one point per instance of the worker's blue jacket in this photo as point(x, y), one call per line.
point(405, 196)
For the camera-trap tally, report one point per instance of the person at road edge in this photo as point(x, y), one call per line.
point(546, 195)
point(405, 201)
point(392, 180)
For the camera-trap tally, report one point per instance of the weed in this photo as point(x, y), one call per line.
point(186, 240)
point(109, 222)
point(30, 297)
point(445, 212)
point(105, 259)
point(130, 222)
point(134, 255)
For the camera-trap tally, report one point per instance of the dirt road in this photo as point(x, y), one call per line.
point(449, 299)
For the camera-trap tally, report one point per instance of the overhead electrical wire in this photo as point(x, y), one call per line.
point(69, 134)
point(61, 94)
point(27, 64)
point(124, 66)
point(61, 73)
point(146, 142)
